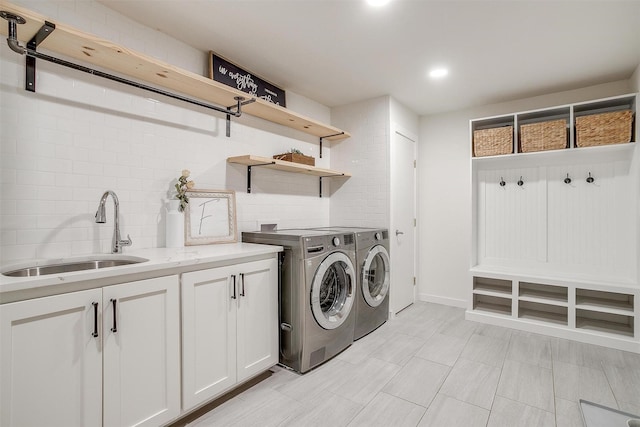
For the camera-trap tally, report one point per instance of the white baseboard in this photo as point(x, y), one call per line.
point(453, 302)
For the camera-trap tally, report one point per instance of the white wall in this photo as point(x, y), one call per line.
point(363, 199)
point(635, 80)
point(445, 189)
point(80, 135)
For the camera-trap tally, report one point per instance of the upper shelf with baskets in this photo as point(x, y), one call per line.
point(180, 84)
point(588, 124)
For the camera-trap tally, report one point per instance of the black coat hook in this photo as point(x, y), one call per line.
point(590, 179)
point(502, 183)
point(567, 180)
point(520, 182)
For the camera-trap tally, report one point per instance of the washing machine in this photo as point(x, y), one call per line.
point(373, 270)
point(317, 294)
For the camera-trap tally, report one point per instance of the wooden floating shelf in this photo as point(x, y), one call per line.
point(282, 165)
point(266, 162)
point(89, 49)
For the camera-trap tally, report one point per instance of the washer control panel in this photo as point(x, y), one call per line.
point(336, 241)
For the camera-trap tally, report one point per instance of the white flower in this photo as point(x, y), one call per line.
point(186, 173)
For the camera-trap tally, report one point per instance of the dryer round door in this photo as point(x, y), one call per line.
point(376, 276)
point(332, 290)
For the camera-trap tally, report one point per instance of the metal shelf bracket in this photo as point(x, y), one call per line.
point(327, 176)
point(328, 136)
point(249, 173)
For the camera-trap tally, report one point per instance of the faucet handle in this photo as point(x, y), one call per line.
point(127, 241)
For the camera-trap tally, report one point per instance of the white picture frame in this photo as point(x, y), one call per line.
point(210, 217)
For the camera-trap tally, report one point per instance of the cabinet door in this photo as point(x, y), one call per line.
point(50, 362)
point(257, 317)
point(208, 334)
point(141, 352)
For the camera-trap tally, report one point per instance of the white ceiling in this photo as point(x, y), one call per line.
point(341, 51)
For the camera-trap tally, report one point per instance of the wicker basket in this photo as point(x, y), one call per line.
point(493, 142)
point(296, 158)
point(603, 129)
point(543, 136)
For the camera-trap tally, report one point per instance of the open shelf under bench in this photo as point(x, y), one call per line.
point(92, 50)
point(588, 311)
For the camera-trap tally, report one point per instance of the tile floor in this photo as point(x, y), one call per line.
point(431, 367)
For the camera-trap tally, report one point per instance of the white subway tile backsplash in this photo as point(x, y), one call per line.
point(78, 136)
point(17, 252)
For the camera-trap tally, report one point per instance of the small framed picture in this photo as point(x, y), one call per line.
point(210, 217)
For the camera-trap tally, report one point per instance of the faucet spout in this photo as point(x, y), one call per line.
point(117, 242)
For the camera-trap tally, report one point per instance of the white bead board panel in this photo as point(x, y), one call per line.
point(590, 225)
point(549, 226)
point(511, 218)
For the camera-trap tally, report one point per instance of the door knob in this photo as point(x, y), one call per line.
point(398, 232)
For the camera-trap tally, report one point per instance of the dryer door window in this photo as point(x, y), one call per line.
point(376, 276)
point(332, 290)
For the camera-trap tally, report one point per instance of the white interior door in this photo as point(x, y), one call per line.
point(403, 213)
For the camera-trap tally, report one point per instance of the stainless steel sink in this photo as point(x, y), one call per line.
point(75, 264)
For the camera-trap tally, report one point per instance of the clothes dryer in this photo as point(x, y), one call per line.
point(317, 294)
point(374, 274)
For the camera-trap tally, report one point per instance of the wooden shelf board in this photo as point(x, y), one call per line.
point(266, 162)
point(602, 304)
point(103, 54)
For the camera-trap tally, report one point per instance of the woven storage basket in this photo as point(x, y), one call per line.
point(492, 142)
point(603, 129)
point(543, 136)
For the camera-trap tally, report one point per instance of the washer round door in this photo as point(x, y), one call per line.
point(376, 276)
point(332, 290)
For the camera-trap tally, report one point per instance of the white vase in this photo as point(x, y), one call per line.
point(175, 225)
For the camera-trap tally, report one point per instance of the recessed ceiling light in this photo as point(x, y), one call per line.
point(377, 3)
point(438, 73)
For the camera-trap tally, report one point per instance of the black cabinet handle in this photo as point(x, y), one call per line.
point(233, 277)
point(115, 322)
point(95, 319)
point(242, 281)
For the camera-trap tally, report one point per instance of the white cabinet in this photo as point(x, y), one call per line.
point(50, 364)
point(62, 355)
point(229, 327)
point(141, 338)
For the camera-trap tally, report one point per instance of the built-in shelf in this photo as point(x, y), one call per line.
point(495, 287)
point(560, 306)
point(568, 113)
point(266, 162)
point(555, 232)
point(605, 322)
point(89, 49)
point(543, 312)
point(543, 294)
point(492, 304)
point(607, 302)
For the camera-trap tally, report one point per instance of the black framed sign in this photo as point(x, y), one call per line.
point(230, 74)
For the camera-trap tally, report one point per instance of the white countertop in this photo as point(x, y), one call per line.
point(159, 259)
